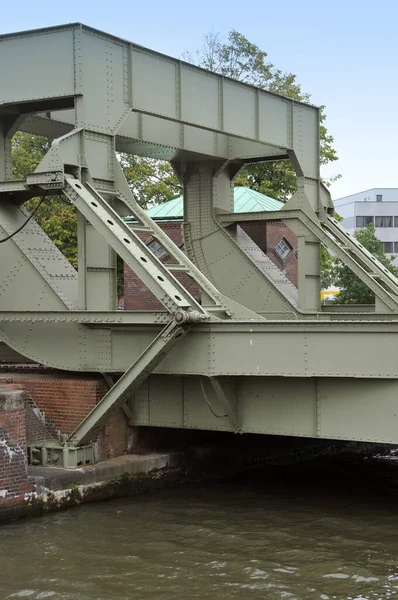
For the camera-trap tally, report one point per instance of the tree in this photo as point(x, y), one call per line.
point(240, 59)
point(276, 179)
point(353, 290)
point(152, 181)
point(56, 215)
point(327, 268)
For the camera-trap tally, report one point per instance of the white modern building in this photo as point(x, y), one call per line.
point(378, 206)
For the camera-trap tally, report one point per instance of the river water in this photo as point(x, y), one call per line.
point(325, 530)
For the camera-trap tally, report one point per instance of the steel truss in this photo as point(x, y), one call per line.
point(91, 94)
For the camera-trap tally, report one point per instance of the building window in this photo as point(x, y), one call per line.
point(383, 221)
point(364, 221)
point(156, 249)
point(395, 221)
point(379, 197)
point(283, 249)
point(396, 247)
point(387, 247)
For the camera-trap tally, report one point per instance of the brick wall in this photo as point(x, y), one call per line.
point(115, 439)
point(14, 483)
point(257, 231)
point(265, 234)
point(65, 401)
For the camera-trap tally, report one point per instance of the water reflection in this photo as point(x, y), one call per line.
point(325, 531)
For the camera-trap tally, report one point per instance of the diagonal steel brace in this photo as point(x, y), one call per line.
point(128, 383)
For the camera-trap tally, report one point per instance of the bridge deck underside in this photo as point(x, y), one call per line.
point(344, 409)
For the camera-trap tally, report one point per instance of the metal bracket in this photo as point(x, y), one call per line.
point(230, 404)
point(52, 454)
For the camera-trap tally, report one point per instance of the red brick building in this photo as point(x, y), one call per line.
point(272, 237)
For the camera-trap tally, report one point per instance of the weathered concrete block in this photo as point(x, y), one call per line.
point(11, 398)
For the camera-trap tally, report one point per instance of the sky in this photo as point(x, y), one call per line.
point(344, 53)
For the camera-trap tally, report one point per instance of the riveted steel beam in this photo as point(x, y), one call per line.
point(86, 317)
point(284, 348)
point(341, 409)
point(196, 112)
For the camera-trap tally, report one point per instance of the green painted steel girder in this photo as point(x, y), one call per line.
point(252, 335)
point(197, 112)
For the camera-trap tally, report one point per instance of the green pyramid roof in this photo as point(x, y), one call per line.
point(245, 200)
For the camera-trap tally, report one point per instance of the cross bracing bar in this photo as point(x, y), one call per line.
point(128, 383)
point(362, 254)
point(372, 272)
point(127, 318)
point(87, 317)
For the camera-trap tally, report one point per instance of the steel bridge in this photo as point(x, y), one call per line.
point(256, 354)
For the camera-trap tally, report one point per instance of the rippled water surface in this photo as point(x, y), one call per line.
point(324, 531)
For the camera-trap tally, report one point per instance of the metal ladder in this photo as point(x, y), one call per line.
point(362, 263)
point(156, 275)
point(213, 301)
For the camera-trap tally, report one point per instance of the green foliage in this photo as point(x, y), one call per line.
point(27, 152)
point(327, 268)
point(276, 179)
point(240, 59)
point(152, 181)
point(353, 290)
point(56, 216)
